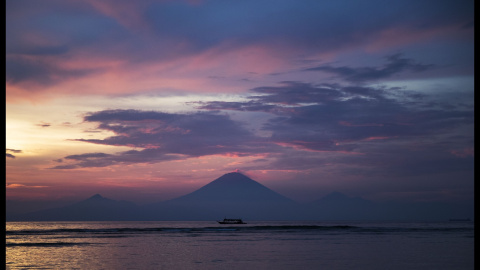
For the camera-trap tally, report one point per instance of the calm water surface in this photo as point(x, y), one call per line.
point(256, 245)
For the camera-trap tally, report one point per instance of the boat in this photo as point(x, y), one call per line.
point(231, 221)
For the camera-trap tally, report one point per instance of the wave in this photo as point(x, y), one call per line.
point(240, 228)
point(45, 244)
point(175, 229)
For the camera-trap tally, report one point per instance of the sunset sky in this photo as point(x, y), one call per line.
point(149, 100)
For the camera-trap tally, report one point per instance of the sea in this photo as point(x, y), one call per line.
point(255, 245)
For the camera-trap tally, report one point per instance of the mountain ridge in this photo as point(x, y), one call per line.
point(236, 195)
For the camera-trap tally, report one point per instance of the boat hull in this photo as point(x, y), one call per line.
point(231, 221)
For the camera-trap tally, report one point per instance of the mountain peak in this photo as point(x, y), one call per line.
point(233, 176)
point(96, 197)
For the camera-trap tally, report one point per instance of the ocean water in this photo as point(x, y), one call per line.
point(256, 245)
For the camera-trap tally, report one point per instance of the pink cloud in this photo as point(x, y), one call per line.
point(113, 75)
point(463, 153)
point(230, 61)
point(8, 186)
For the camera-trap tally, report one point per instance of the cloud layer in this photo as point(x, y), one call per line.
point(313, 95)
point(165, 136)
point(395, 64)
point(384, 129)
point(86, 41)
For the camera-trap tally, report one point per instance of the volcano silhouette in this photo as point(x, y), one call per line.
point(231, 195)
point(233, 188)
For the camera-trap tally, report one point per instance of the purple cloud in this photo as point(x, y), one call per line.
point(10, 151)
point(166, 136)
point(395, 64)
point(367, 126)
point(383, 129)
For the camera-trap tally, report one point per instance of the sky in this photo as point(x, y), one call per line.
point(149, 100)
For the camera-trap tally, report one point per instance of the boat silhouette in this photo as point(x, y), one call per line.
point(231, 221)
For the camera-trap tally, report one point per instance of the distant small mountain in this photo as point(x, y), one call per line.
point(95, 208)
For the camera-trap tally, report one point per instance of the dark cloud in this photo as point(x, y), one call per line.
point(395, 64)
point(174, 133)
point(127, 157)
point(20, 69)
point(295, 93)
point(372, 126)
point(66, 26)
point(165, 136)
point(366, 126)
point(249, 106)
point(41, 38)
point(87, 156)
point(314, 25)
point(10, 151)
point(44, 124)
point(375, 132)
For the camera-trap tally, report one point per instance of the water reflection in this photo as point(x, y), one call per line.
point(201, 245)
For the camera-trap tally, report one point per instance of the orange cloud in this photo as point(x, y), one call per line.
point(22, 186)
